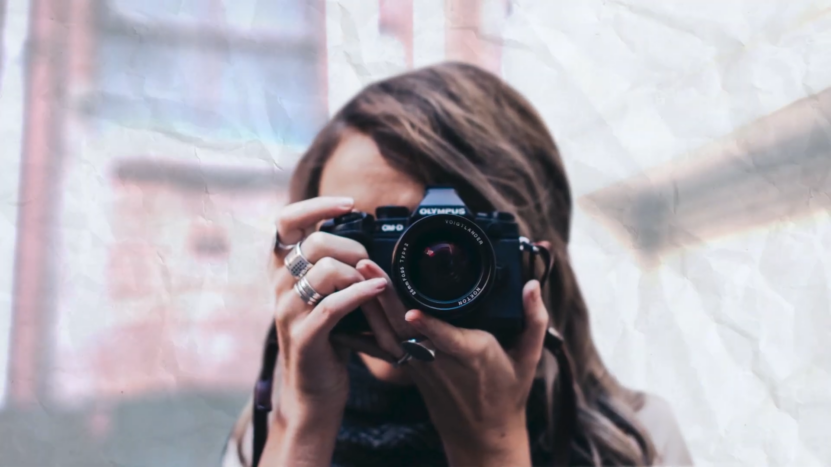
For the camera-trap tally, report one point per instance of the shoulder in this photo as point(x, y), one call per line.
point(657, 417)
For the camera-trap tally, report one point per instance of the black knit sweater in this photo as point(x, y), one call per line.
point(387, 425)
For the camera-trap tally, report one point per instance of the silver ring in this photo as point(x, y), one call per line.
point(404, 359)
point(279, 245)
point(419, 350)
point(306, 292)
point(296, 263)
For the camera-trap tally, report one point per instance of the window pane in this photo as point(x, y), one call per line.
point(241, 15)
point(215, 85)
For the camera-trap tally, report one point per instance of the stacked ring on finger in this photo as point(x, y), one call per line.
point(306, 292)
point(296, 263)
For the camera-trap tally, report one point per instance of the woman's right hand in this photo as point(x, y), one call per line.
point(313, 380)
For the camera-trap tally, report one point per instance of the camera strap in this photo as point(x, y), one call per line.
point(563, 415)
point(263, 393)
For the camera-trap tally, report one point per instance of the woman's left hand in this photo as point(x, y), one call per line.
point(475, 391)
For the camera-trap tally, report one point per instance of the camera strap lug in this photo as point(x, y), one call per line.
point(537, 250)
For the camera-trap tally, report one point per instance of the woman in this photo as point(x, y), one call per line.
point(477, 403)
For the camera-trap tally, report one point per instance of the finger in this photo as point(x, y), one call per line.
point(297, 218)
point(528, 349)
point(326, 277)
point(444, 336)
point(362, 344)
point(390, 303)
point(331, 309)
point(322, 244)
point(285, 311)
point(316, 247)
point(385, 336)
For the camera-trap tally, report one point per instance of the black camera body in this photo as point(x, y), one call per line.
point(458, 266)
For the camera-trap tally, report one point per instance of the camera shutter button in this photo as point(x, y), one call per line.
point(352, 216)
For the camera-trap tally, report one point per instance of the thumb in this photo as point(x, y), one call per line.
point(528, 349)
point(444, 336)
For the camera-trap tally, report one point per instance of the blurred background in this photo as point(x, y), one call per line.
point(147, 146)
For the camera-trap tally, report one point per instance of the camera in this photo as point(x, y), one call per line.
point(461, 267)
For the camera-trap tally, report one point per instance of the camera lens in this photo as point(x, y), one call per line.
point(443, 264)
point(444, 270)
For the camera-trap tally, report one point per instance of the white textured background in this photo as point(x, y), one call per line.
point(730, 324)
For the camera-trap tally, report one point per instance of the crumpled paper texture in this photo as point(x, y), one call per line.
point(147, 147)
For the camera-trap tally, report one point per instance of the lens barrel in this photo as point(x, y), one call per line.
point(443, 264)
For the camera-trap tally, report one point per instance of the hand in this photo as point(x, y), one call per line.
point(313, 380)
point(475, 390)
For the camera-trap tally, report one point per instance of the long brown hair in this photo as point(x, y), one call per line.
point(455, 124)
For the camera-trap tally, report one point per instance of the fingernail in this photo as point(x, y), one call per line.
point(411, 317)
point(346, 203)
point(378, 283)
point(535, 289)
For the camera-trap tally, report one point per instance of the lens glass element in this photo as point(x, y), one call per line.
point(445, 266)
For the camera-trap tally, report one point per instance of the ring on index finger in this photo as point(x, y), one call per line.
point(279, 245)
point(296, 263)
